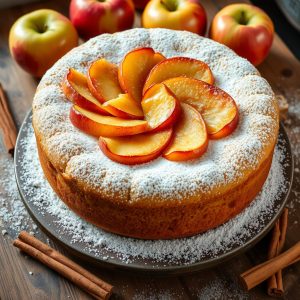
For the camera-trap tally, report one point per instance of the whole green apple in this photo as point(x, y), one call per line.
point(38, 39)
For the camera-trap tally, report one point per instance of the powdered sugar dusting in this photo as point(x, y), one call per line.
point(218, 288)
point(225, 161)
point(188, 250)
point(12, 210)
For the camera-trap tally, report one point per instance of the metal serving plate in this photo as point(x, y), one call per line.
point(49, 225)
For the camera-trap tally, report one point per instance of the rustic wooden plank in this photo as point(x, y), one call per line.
point(21, 277)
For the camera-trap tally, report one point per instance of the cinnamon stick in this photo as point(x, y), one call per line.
point(34, 242)
point(260, 273)
point(7, 124)
point(275, 284)
point(64, 266)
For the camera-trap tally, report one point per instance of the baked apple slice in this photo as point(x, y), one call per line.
point(216, 107)
point(103, 80)
point(99, 125)
point(161, 108)
point(124, 107)
point(136, 149)
point(179, 66)
point(76, 90)
point(135, 68)
point(190, 138)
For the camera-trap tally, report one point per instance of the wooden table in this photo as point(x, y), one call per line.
point(281, 69)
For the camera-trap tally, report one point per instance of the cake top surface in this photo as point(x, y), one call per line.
point(226, 161)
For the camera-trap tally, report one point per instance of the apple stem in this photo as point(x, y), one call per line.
point(41, 28)
point(171, 5)
point(243, 18)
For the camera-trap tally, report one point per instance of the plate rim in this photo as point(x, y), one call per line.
point(156, 270)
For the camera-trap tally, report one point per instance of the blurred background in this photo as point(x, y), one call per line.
point(284, 13)
point(286, 17)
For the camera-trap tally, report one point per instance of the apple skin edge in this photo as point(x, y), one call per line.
point(121, 114)
point(100, 67)
point(226, 130)
point(124, 107)
point(187, 155)
point(127, 160)
point(171, 119)
point(127, 80)
point(84, 124)
point(96, 129)
point(174, 114)
point(133, 160)
point(79, 100)
point(159, 74)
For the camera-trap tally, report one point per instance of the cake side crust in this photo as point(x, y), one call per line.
point(175, 220)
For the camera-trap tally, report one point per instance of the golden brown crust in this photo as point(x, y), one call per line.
point(175, 220)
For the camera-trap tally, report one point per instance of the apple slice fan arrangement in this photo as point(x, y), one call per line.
point(149, 106)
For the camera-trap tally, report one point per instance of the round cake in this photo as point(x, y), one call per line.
point(160, 199)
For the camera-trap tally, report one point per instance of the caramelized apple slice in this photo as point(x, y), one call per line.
point(226, 130)
point(96, 125)
point(124, 107)
point(136, 149)
point(158, 57)
point(161, 108)
point(135, 68)
point(179, 66)
point(76, 90)
point(217, 108)
point(190, 136)
point(103, 80)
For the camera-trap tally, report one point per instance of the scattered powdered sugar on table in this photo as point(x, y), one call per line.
point(218, 288)
point(188, 250)
point(13, 214)
point(151, 294)
point(292, 125)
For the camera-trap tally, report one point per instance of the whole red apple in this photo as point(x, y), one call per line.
point(179, 15)
point(38, 39)
point(92, 17)
point(244, 28)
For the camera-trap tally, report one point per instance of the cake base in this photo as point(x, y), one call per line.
point(159, 257)
point(160, 222)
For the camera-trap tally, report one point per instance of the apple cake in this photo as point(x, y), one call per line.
point(165, 197)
